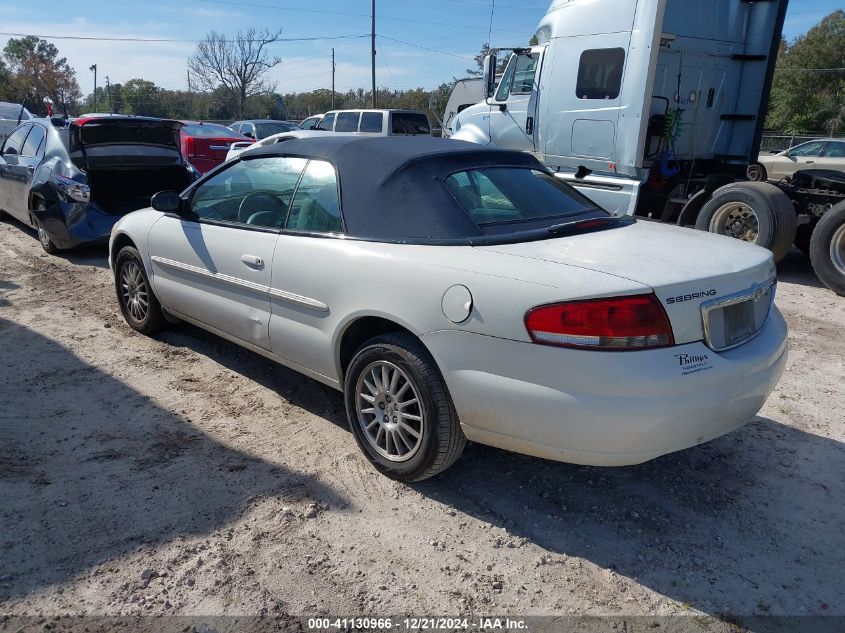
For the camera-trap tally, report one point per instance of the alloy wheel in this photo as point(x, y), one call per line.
point(389, 411)
point(43, 237)
point(134, 291)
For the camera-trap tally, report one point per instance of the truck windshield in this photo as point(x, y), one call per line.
point(512, 199)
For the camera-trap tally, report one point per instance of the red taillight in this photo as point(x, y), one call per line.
point(190, 149)
point(617, 323)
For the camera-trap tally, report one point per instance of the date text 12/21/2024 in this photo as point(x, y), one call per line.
point(418, 624)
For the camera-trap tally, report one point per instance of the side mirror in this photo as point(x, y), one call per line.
point(166, 202)
point(10, 151)
point(489, 75)
point(249, 135)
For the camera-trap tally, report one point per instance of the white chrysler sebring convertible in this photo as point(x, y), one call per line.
point(456, 292)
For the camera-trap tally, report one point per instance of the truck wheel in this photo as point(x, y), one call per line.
point(756, 173)
point(827, 249)
point(755, 212)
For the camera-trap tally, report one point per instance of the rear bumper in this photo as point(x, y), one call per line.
point(71, 224)
point(605, 408)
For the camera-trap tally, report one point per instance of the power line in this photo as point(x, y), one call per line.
point(155, 39)
point(425, 48)
point(231, 3)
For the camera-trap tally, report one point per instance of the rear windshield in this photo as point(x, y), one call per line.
point(511, 199)
point(410, 123)
point(209, 130)
point(263, 130)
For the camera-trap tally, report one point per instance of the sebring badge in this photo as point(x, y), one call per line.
point(695, 295)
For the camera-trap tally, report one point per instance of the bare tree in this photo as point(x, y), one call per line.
point(239, 65)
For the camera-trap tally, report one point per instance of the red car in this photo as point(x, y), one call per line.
point(205, 145)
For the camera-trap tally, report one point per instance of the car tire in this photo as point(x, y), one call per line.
point(44, 239)
point(756, 173)
point(402, 379)
point(135, 295)
point(827, 249)
point(756, 212)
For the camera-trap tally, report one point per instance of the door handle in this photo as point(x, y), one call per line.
point(809, 162)
point(31, 169)
point(529, 125)
point(252, 260)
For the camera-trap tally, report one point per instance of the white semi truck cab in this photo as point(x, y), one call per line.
point(631, 94)
point(655, 108)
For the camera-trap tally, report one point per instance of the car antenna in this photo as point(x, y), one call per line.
point(20, 112)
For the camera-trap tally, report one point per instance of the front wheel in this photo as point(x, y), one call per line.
point(827, 249)
point(399, 409)
point(139, 305)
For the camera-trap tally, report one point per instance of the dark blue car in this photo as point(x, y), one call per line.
point(72, 182)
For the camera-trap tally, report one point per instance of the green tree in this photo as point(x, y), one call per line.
point(37, 72)
point(809, 84)
point(142, 97)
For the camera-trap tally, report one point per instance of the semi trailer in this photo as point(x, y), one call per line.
point(655, 108)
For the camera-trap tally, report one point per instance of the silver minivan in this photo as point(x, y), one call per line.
point(377, 122)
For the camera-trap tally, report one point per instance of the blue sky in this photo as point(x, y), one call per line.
point(455, 28)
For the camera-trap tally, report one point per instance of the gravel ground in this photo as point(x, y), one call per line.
point(184, 475)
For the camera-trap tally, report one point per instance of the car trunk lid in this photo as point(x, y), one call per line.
point(123, 142)
point(686, 269)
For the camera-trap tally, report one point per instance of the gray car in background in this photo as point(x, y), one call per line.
point(11, 115)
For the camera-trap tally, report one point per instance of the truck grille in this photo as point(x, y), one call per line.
point(732, 320)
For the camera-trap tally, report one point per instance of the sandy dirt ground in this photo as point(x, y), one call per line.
point(185, 475)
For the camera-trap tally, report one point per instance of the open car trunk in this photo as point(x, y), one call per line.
point(121, 191)
point(127, 159)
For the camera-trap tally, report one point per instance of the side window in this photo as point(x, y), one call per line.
point(327, 123)
point(835, 150)
point(257, 192)
point(600, 73)
point(15, 140)
point(316, 206)
point(813, 148)
point(347, 122)
point(236, 127)
point(34, 142)
point(523, 77)
point(409, 123)
point(372, 122)
point(505, 84)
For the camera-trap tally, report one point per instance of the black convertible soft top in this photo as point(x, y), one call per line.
point(392, 187)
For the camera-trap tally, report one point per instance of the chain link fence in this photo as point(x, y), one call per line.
point(774, 142)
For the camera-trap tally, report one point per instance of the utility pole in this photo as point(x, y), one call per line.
point(333, 79)
point(94, 68)
point(108, 89)
point(190, 94)
point(373, 56)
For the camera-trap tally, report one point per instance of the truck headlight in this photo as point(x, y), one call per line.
point(72, 190)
